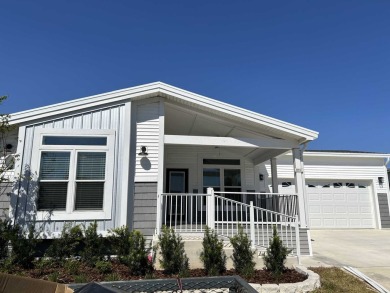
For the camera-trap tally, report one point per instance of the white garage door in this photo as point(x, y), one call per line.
point(339, 204)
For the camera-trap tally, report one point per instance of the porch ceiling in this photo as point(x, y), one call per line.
point(190, 121)
point(256, 155)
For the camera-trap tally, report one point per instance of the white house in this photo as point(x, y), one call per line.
point(156, 155)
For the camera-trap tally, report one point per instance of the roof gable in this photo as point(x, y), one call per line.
point(170, 93)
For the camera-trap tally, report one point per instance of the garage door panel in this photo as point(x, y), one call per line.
point(343, 206)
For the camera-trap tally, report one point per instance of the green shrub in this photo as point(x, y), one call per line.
point(212, 256)
point(67, 245)
point(104, 267)
point(120, 241)
point(7, 232)
point(93, 249)
point(275, 255)
point(24, 249)
point(137, 257)
point(72, 266)
point(174, 259)
point(242, 253)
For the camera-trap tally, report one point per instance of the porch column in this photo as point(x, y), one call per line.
point(274, 176)
point(300, 187)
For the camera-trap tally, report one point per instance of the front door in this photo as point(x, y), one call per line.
point(176, 184)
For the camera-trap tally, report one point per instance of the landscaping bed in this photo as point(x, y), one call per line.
point(82, 273)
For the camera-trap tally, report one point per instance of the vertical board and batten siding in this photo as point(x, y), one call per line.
point(107, 118)
point(148, 131)
point(384, 210)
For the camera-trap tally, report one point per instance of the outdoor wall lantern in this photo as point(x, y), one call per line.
point(381, 180)
point(143, 151)
point(261, 177)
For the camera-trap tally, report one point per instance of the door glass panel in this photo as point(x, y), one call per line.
point(232, 177)
point(211, 177)
point(177, 182)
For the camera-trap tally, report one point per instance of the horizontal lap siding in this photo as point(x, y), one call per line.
point(106, 118)
point(335, 168)
point(148, 131)
point(145, 207)
point(189, 157)
point(384, 210)
point(5, 190)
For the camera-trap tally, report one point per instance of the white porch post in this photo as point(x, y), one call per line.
point(210, 208)
point(274, 175)
point(300, 185)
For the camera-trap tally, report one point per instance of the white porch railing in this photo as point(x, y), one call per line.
point(190, 213)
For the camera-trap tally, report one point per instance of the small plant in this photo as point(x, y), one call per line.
point(104, 267)
point(67, 245)
point(137, 257)
point(212, 256)
point(276, 255)
point(120, 241)
point(43, 265)
point(112, 277)
point(174, 259)
point(93, 246)
point(53, 276)
point(72, 266)
point(81, 279)
point(242, 254)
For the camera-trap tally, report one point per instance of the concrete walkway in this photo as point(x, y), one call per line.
point(366, 250)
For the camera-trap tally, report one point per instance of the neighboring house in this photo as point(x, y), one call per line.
point(156, 155)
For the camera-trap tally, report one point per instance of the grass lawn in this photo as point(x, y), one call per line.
point(337, 280)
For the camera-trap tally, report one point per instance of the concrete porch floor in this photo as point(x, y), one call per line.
point(367, 250)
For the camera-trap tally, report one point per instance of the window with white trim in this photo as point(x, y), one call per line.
point(75, 173)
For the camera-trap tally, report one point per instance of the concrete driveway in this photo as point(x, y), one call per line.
point(366, 250)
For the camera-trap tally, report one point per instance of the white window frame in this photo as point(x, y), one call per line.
point(70, 213)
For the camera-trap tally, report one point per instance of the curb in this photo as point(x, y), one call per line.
point(310, 284)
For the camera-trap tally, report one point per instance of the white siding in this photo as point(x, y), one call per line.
point(335, 168)
point(106, 118)
point(190, 157)
point(148, 131)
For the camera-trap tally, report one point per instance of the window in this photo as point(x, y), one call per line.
point(286, 184)
point(311, 186)
point(75, 173)
point(350, 185)
point(326, 186)
point(337, 185)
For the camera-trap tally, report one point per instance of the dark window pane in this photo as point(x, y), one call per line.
point(221, 162)
point(337, 185)
point(286, 184)
point(54, 166)
point(177, 182)
point(52, 196)
point(74, 140)
point(91, 166)
point(89, 195)
point(232, 177)
point(236, 197)
point(211, 177)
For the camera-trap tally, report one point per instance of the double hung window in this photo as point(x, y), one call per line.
point(75, 174)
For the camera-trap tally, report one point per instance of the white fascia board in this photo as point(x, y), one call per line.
point(228, 141)
point(346, 155)
point(82, 103)
point(157, 88)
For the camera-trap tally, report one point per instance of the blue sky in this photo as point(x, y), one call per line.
point(324, 65)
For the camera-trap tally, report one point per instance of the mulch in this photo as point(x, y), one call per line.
point(121, 273)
